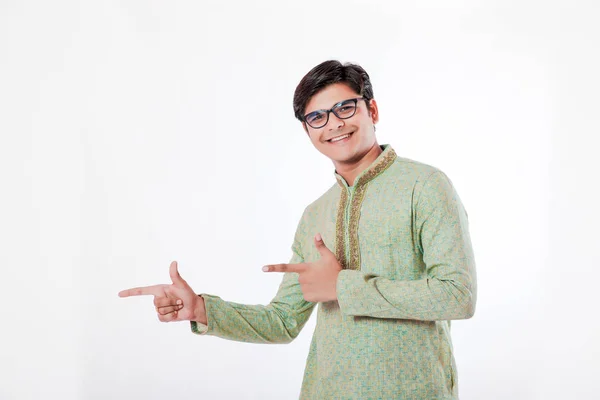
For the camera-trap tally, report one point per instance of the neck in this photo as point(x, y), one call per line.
point(351, 169)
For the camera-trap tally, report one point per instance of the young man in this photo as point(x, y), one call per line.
point(385, 253)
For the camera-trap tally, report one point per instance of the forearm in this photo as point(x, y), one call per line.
point(273, 323)
point(428, 299)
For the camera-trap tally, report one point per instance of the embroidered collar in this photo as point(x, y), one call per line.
point(381, 163)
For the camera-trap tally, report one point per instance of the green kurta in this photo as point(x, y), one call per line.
point(401, 234)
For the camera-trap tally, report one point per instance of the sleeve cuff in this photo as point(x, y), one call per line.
point(357, 297)
point(197, 327)
point(346, 289)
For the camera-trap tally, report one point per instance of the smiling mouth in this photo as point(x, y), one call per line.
point(341, 137)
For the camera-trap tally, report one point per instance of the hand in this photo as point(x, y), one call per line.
point(318, 280)
point(175, 302)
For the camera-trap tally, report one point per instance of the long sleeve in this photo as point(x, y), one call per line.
point(448, 289)
point(278, 322)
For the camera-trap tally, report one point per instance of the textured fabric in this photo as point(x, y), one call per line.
point(401, 234)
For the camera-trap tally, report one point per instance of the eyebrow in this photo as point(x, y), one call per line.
point(327, 109)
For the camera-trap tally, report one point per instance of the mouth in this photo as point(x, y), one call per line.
point(341, 138)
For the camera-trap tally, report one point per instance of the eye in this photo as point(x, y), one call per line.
point(315, 117)
point(346, 108)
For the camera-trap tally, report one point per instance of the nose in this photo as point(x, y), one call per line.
point(334, 122)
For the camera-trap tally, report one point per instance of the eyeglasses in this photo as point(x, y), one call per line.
point(343, 110)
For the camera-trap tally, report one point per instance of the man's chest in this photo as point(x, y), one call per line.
point(372, 230)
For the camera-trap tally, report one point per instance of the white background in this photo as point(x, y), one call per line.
point(135, 133)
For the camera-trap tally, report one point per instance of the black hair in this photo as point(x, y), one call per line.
point(327, 73)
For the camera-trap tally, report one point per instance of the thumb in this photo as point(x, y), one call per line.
point(320, 245)
point(175, 277)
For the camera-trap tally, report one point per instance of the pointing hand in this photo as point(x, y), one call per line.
point(174, 302)
point(318, 280)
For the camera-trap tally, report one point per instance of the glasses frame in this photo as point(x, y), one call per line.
point(332, 110)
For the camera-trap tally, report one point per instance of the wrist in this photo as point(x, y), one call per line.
point(200, 311)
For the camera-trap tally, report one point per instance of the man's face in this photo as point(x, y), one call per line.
point(359, 127)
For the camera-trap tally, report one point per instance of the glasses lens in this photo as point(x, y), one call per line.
point(317, 119)
point(346, 109)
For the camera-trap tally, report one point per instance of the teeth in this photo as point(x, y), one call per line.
point(339, 138)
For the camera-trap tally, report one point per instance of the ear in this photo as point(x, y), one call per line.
point(374, 111)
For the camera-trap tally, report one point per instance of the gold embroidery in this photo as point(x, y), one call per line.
point(360, 191)
point(354, 262)
point(340, 248)
point(386, 159)
point(384, 162)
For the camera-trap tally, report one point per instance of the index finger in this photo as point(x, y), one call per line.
point(285, 268)
point(155, 290)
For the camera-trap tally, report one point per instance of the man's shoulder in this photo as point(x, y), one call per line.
point(420, 177)
point(410, 170)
